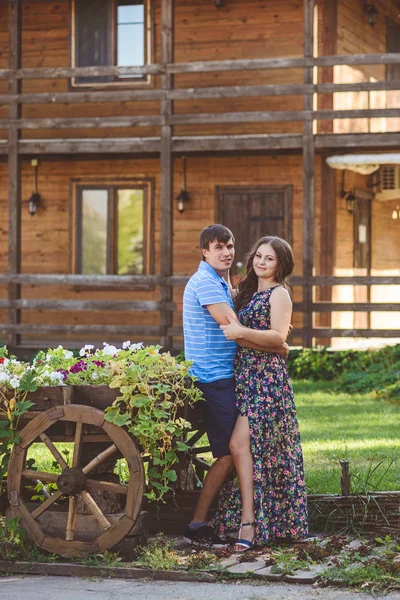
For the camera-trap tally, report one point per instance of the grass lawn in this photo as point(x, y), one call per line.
point(359, 428)
point(334, 426)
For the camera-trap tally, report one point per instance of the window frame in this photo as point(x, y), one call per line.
point(126, 82)
point(78, 186)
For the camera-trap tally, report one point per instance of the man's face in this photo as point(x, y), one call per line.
point(220, 255)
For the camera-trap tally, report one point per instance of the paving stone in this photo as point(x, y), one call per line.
point(265, 573)
point(354, 545)
point(247, 567)
point(228, 562)
point(305, 576)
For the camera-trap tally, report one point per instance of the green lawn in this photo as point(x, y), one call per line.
point(359, 428)
point(334, 426)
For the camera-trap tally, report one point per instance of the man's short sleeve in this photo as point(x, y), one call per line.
point(210, 292)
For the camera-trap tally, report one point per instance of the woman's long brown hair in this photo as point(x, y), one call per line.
point(248, 284)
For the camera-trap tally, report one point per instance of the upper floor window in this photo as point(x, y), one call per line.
point(392, 45)
point(110, 33)
point(112, 228)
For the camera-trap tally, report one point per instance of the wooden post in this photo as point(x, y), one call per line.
point(166, 165)
point(14, 166)
point(345, 478)
point(329, 47)
point(308, 177)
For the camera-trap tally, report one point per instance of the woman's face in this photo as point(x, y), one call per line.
point(265, 262)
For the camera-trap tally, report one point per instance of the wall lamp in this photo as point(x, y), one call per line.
point(183, 196)
point(35, 197)
point(371, 12)
point(217, 3)
point(350, 198)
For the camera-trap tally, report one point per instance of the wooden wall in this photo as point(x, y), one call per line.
point(356, 36)
point(46, 237)
point(251, 29)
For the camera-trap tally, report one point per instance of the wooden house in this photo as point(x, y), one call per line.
point(126, 126)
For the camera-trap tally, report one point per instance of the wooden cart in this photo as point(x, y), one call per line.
point(90, 510)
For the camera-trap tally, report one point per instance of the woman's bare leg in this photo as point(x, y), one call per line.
point(241, 453)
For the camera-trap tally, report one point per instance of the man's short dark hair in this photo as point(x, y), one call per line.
point(215, 233)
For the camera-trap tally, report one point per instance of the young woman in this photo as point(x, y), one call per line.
point(268, 499)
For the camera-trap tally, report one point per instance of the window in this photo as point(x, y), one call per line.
point(110, 33)
point(113, 229)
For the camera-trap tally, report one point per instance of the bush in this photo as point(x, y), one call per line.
point(354, 371)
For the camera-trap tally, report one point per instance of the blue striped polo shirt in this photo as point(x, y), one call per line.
point(205, 343)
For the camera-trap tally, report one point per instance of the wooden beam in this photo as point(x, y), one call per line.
point(167, 170)
point(211, 143)
point(325, 75)
point(381, 333)
point(357, 140)
point(14, 166)
point(308, 175)
point(205, 66)
point(150, 145)
point(237, 91)
point(113, 281)
point(72, 329)
point(327, 249)
point(83, 122)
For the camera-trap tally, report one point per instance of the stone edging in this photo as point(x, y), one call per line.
point(105, 572)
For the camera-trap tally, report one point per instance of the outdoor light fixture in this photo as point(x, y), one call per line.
point(371, 12)
point(351, 202)
point(183, 196)
point(35, 197)
point(350, 198)
point(218, 3)
point(396, 213)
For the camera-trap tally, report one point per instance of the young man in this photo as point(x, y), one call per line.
point(206, 302)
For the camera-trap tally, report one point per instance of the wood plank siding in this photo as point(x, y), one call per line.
point(255, 95)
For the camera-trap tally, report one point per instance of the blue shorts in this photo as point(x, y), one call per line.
point(220, 413)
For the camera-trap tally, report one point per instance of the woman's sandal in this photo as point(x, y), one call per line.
point(245, 544)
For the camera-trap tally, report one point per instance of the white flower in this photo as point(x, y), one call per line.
point(94, 375)
point(108, 349)
point(126, 345)
point(68, 353)
point(14, 382)
point(85, 348)
point(134, 347)
point(56, 378)
point(4, 376)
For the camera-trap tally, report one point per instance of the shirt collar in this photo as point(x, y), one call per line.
point(204, 266)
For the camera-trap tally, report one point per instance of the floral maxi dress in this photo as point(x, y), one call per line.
point(264, 394)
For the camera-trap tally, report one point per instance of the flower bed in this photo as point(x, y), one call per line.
point(153, 387)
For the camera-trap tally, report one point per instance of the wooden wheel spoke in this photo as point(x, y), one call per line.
point(40, 475)
point(95, 510)
point(195, 437)
point(69, 532)
point(100, 458)
point(46, 440)
point(40, 509)
point(77, 445)
point(109, 486)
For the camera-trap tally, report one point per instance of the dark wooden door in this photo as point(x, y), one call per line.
point(252, 212)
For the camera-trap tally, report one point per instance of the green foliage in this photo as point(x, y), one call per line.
point(158, 555)
point(154, 388)
point(354, 371)
point(12, 539)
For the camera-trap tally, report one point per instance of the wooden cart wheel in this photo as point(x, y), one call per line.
point(74, 482)
point(195, 453)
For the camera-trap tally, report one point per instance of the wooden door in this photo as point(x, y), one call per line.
point(252, 212)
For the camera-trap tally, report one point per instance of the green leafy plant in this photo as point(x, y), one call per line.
point(12, 539)
point(154, 388)
point(158, 555)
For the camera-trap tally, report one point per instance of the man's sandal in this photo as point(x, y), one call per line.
point(244, 545)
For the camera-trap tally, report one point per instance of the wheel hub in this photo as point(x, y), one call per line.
point(71, 481)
